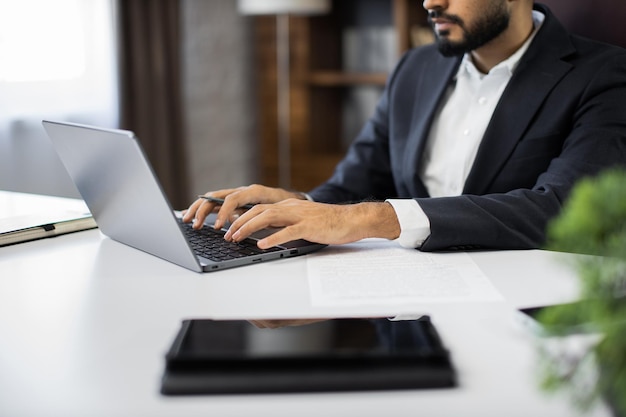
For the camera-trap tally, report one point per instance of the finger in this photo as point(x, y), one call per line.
point(261, 217)
point(231, 208)
point(235, 215)
point(246, 224)
point(203, 210)
point(228, 212)
point(222, 193)
point(276, 239)
point(238, 197)
point(189, 214)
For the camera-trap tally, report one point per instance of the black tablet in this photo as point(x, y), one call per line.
point(216, 357)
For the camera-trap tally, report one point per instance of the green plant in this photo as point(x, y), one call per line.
point(593, 221)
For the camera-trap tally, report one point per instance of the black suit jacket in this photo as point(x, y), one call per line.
point(561, 117)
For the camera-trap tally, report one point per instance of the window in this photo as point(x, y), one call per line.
point(57, 61)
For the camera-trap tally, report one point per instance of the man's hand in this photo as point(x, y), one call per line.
point(316, 222)
point(233, 199)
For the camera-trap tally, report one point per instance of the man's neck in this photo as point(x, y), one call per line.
point(488, 56)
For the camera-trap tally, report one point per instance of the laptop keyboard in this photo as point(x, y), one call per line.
point(209, 243)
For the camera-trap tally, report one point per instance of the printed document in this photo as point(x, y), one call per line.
point(379, 271)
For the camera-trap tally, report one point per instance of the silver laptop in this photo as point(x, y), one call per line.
point(125, 198)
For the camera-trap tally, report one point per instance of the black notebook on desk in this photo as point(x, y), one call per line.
point(219, 357)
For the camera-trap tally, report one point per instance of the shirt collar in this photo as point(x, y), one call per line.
point(509, 64)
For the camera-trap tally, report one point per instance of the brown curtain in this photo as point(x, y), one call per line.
point(150, 88)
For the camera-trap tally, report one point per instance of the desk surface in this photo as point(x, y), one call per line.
point(85, 322)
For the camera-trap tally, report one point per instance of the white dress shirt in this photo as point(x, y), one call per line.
point(455, 136)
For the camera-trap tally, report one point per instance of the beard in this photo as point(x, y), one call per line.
point(490, 25)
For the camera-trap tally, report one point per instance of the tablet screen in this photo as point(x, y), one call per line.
point(213, 357)
point(208, 339)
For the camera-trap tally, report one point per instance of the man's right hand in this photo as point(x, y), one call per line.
point(233, 199)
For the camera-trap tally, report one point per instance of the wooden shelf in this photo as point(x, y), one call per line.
point(340, 79)
point(320, 86)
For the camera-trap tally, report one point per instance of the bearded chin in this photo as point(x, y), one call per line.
point(450, 49)
point(484, 32)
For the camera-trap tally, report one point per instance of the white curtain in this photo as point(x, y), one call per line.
point(57, 61)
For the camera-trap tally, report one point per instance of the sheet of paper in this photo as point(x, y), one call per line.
point(379, 271)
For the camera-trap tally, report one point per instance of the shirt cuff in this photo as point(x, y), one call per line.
point(306, 196)
point(414, 224)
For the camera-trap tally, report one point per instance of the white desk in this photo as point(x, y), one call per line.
point(85, 322)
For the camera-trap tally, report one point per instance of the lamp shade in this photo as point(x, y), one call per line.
point(304, 7)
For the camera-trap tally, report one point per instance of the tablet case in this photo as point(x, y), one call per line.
point(399, 355)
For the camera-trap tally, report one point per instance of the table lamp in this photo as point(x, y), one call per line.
point(282, 9)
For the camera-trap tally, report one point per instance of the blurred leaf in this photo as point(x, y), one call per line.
point(593, 221)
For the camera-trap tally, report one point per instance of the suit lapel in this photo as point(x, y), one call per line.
point(539, 70)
